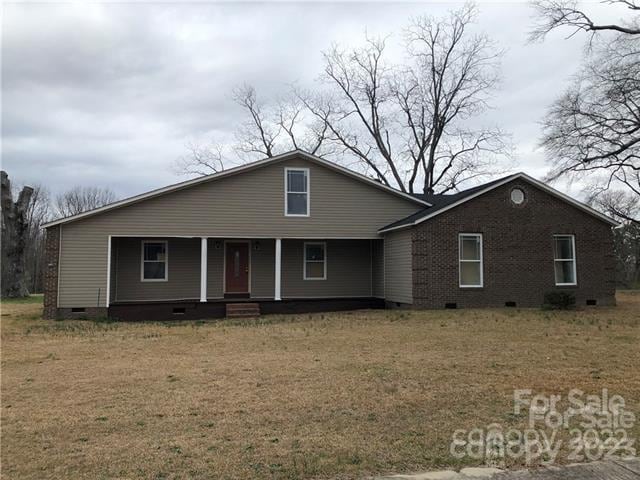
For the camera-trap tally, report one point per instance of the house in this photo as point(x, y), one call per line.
point(298, 233)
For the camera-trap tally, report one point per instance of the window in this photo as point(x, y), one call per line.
point(517, 196)
point(564, 247)
point(154, 261)
point(315, 261)
point(296, 198)
point(470, 256)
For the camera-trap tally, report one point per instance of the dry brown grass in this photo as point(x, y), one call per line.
point(346, 394)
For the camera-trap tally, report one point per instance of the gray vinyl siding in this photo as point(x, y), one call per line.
point(183, 279)
point(263, 268)
point(250, 204)
point(348, 270)
point(377, 268)
point(82, 267)
point(398, 267)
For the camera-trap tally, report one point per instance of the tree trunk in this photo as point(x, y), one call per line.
point(14, 238)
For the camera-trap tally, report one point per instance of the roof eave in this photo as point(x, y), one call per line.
point(397, 228)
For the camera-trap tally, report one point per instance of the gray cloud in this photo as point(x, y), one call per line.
point(109, 94)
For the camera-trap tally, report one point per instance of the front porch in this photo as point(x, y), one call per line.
point(177, 277)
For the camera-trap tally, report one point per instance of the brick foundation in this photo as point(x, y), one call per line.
point(194, 310)
point(84, 313)
point(52, 254)
point(517, 249)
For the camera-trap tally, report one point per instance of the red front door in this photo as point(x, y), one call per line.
point(237, 268)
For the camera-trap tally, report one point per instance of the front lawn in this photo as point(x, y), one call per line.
point(307, 396)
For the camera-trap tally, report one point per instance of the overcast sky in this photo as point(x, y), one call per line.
point(109, 94)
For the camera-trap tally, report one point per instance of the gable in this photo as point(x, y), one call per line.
point(538, 208)
point(251, 204)
point(295, 154)
point(462, 200)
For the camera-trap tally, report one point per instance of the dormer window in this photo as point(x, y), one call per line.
point(296, 198)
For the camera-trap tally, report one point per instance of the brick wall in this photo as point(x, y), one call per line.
point(517, 249)
point(52, 252)
point(83, 313)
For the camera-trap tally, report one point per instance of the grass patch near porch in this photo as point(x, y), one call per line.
point(33, 299)
point(284, 397)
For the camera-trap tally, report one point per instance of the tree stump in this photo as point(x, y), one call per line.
point(14, 238)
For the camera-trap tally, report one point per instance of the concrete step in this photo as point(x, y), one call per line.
point(243, 312)
point(239, 310)
point(243, 306)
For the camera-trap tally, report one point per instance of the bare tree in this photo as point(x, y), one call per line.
point(284, 126)
point(14, 238)
point(38, 213)
point(80, 199)
point(624, 206)
point(258, 134)
point(356, 108)
point(455, 74)
point(408, 122)
point(594, 127)
point(201, 159)
point(301, 128)
point(627, 251)
point(407, 125)
point(554, 14)
point(619, 204)
point(266, 131)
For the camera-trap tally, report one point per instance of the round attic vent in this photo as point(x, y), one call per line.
point(517, 196)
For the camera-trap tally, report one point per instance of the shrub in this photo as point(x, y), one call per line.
point(559, 300)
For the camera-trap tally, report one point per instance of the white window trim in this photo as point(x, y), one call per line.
point(461, 261)
point(286, 192)
point(574, 260)
point(304, 260)
point(166, 261)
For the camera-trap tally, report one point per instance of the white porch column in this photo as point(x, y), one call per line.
point(203, 269)
point(106, 303)
point(276, 295)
